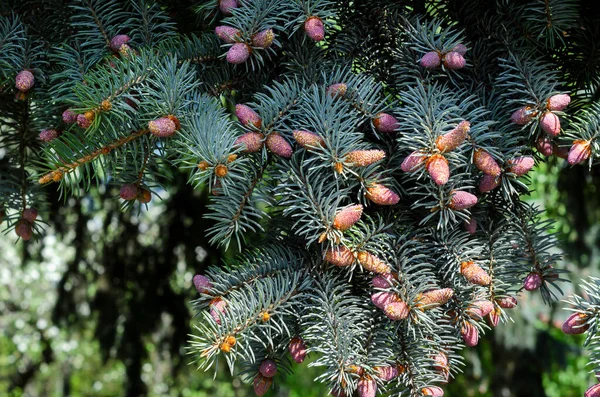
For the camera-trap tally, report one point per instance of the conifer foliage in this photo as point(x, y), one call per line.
point(379, 148)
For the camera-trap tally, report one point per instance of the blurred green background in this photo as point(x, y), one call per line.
point(101, 305)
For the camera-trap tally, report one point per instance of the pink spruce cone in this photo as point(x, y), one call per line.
point(462, 200)
point(202, 284)
point(314, 28)
point(521, 165)
point(228, 34)
point(382, 195)
point(454, 138)
point(387, 373)
point(384, 298)
point(431, 60)
point(261, 384)
point(433, 391)
point(217, 306)
point(453, 61)
point(470, 334)
point(227, 5)
point(486, 163)
point(507, 302)
point(278, 145)
point(494, 318)
point(487, 183)
point(118, 41)
point(24, 80)
point(48, 135)
point(337, 90)
point(481, 308)
point(128, 192)
point(575, 324)
point(436, 297)
point(438, 169)
point(580, 151)
point(558, 102)
point(238, 53)
point(372, 263)
point(247, 116)
point(412, 162)
point(396, 311)
point(474, 274)
point(347, 217)
point(362, 158)
point(440, 361)
point(163, 127)
point(24, 229)
point(367, 387)
point(83, 121)
point(308, 139)
point(593, 391)
point(385, 122)
point(561, 151)
point(460, 48)
point(550, 124)
point(382, 281)
point(544, 146)
point(69, 116)
point(471, 225)
point(30, 214)
point(297, 350)
point(338, 393)
point(521, 116)
point(251, 141)
point(340, 256)
point(263, 39)
point(533, 281)
point(268, 368)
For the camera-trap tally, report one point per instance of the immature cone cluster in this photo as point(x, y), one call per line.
point(252, 142)
point(347, 217)
point(69, 116)
point(278, 145)
point(412, 162)
point(382, 195)
point(48, 135)
point(474, 274)
point(558, 102)
point(297, 350)
point(128, 192)
point(228, 34)
point(550, 123)
point(470, 334)
point(307, 139)
point(247, 116)
point(263, 39)
point(117, 42)
point(24, 80)
point(486, 163)
point(533, 281)
point(24, 226)
point(431, 60)
point(268, 368)
point(520, 165)
point(372, 263)
point(238, 53)
point(314, 28)
point(480, 309)
point(579, 152)
point(462, 200)
point(163, 127)
point(453, 139)
point(454, 60)
point(202, 284)
point(576, 324)
point(367, 387)
point(83, 121)
point(438, 169)
point(385, 122)
point(340, 256)
point(261, 384)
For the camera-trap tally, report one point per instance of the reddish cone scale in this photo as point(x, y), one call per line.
point(412, 162)
point(278, 145)
point(433, 391)
point(558, 102)
point(24, 229)
point(30, 214)
point(471, 226)
point(454, 138)
point(367, 387)
point(372, 263)
point(480, 309)
point(507, 302)
point(128, 192)
point(579, 152)
point(440, 361)
point(163, 127)
point(438, 169)
point(454, 61)
point(314, 28)
point(228, 34)
point(487, 183)
point(24, 80)
point(202, 284)
point(362, 158)
point(460, 48)
point(474, 274)
point(347, 217)
point(544, 146)
point(83, 121)
point(69, 116)
point(48, 135)
point(561, 151)
point(238, 53)
point(340, 256)
point(268, 368)
point(382, 195)
point(252, 142)
point(494, 317)
point(431, 60)
point(550, 123)
point(593, 391)
point(227, 5)
point(217, 306)
point(384, 298)
point(533, 281)
point(521, 165)
point(522, 116)
point(263, 39)
point(308, 139)
point(261, 384)
point(247, 116)
point(575, 324)
point(297, 350)
point(118, 41)
point(386, 373)
point(462, 200)
point(434, 298)
point(486, 163)
point(396, 311)
point(385, 122)
point(337, 90)
point(470, 334)
point(382, 281)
